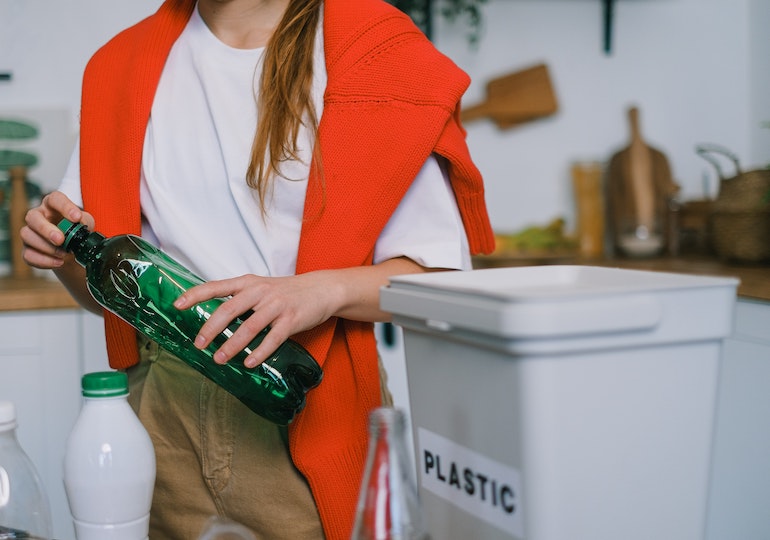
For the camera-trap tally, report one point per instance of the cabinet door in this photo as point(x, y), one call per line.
point(740, 483)
point(40, 372)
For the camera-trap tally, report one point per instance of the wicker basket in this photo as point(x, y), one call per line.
point(740, 215)
point(741, 236)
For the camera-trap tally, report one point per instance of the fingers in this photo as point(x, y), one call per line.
point(39, 252)
point(40, 235)
point(247, 294)
point(277, 334)
point(206, 291)
point(242, 337)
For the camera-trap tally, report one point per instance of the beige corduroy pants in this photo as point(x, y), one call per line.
point(215, 457)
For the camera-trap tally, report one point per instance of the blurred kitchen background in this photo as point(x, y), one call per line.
point(696, 69)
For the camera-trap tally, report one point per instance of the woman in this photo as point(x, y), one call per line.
point(357, 170)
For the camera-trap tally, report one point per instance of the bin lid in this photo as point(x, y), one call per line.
point(555, 300)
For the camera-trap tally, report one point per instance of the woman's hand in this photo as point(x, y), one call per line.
point(42, 241)
point(41, 236)
point(290, 305)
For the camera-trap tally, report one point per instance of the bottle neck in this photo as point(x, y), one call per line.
point(8, 437)
point(82, 243)
point(387, 422)
point(105, 399)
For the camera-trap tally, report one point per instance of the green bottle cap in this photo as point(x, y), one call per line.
point(105, 384)
point(69, 229)
point(65, 225)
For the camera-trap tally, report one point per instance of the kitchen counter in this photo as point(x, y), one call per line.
point(755, 279)
point(33, 293)
point(46, 293)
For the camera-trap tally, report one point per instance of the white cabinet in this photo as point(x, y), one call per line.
point(740, 486)
point(43, 354)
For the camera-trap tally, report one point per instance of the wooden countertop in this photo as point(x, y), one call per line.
point(33, 293)
point(755, 279)
point(47, 293)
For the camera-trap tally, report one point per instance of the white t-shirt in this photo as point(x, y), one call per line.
point(196, 205)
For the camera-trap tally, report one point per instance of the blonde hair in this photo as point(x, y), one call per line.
point(285, 99)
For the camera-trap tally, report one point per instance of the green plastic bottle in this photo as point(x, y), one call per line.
point(139, 283)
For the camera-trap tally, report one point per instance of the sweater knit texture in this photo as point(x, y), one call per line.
point(391, 99)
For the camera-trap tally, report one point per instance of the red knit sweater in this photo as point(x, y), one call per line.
point(391, 100)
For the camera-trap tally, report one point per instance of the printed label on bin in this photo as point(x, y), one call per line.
point(485, 488)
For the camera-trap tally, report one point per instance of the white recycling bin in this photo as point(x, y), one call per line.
point(562, 402)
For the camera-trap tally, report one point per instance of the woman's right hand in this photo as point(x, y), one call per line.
point(41, 236)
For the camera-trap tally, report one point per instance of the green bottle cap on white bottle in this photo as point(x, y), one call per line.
point(105, 384)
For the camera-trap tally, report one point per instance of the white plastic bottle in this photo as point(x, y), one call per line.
point(109, 464)
point(23, 501)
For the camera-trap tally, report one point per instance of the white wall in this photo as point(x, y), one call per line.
point(697, 69)
point(45, 45)
point(686, 64)
point(759, 65)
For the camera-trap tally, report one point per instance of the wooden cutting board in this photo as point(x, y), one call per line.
point(515, 98)
point(639, 181)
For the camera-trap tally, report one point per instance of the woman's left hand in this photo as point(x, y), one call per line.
point(289, 305)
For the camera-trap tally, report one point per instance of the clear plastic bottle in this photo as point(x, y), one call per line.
point(139, 283)
point(24, 509)
point(388, 504)
point(109, 463)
